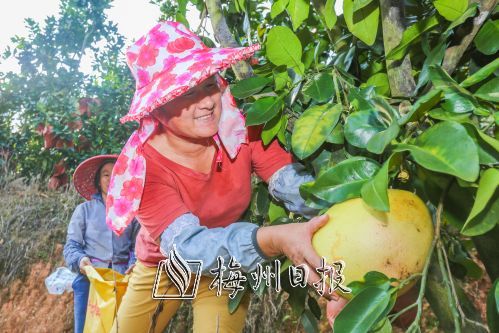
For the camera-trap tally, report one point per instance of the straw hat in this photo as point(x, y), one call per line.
point(85, 173)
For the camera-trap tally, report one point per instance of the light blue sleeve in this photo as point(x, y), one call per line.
point(133, 237)
point(196, 242)
point(284, 186)
point(74, 248)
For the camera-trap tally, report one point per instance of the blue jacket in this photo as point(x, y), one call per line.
point(89, 236)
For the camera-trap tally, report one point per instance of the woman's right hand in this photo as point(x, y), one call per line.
point(294, 240)
point(85, 261)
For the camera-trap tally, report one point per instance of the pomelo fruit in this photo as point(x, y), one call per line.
point(395, 243)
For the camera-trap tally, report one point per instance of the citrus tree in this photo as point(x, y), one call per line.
point(53, 114)
point(389, 94)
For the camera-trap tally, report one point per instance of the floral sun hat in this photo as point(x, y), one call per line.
point(85, 173)
point(166, 62)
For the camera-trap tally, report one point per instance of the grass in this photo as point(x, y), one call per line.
point(32, 222)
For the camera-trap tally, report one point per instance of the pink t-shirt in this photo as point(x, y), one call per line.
point(218, 198)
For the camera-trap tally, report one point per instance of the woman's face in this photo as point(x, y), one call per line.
point(195, 114)
point(105, 176)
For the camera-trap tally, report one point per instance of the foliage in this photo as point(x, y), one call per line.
point(53, 114)
point(328, 87)
point(378, 97)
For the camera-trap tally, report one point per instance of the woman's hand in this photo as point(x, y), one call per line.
point(295, 241)
point(85, 261)
point(334, 307)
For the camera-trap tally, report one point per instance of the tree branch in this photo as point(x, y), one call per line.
point(319, 8)
point(223, 35)
point(454, 54)
point(402, 83)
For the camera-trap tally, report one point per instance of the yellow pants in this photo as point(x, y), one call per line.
point(139, 312)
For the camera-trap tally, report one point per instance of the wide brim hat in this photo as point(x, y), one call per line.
point(84, 175)
point(169, 60)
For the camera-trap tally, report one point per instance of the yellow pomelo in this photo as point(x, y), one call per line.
point(395, 243)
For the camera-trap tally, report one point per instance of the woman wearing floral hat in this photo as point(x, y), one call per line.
point(186, 175)
point(89, 240)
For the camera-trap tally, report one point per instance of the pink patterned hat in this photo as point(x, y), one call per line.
point(169, 60)
point(166, 62)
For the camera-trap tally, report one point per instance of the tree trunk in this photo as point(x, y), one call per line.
point(402, 83)
point(454, 54)
point(223, 35)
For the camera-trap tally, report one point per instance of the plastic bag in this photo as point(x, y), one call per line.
point(60, 281)
point(107, 288)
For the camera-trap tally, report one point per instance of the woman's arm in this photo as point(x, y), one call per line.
point(196, 242)
point(284, 186)
point(244, 241)
point(74, 248)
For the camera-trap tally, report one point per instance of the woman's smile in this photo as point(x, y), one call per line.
point(206, 116)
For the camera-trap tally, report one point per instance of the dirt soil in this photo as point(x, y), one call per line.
point(26, 306)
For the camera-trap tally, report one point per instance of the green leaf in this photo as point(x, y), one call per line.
point(275, 212)
point(451, 9)
point(360, 99)
point(358, 4)
point(423, 104)
point(486, 40)
point(364, 22)
point(284, 48)
point(380, 140)
point(249, 86)
point(458, 99)
point(271, 129)
point(489, 181)
point(322, 162)
point(308, 322)
point(234, 302)
point(361, 313)
point(374, 192)
point(481, 74)
point(344, 180)
point(470, 12)
point(441, 148)
point(263, 110)
point(411, 35)
point(434, 58)
point(278, 7)
point(495, 289)
point(361, 126)
point(458, 255)
point(314, 307)
point(386, 327)
point(442, 114)
point(281, 78)
point(337, 135)
point(320, 88)
point(329, 14)
point(313, 127)
point(489, 91)
point(488, 147)
point(493, 307)
point(298, 12)
point(380, 83)
point(296, 300)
